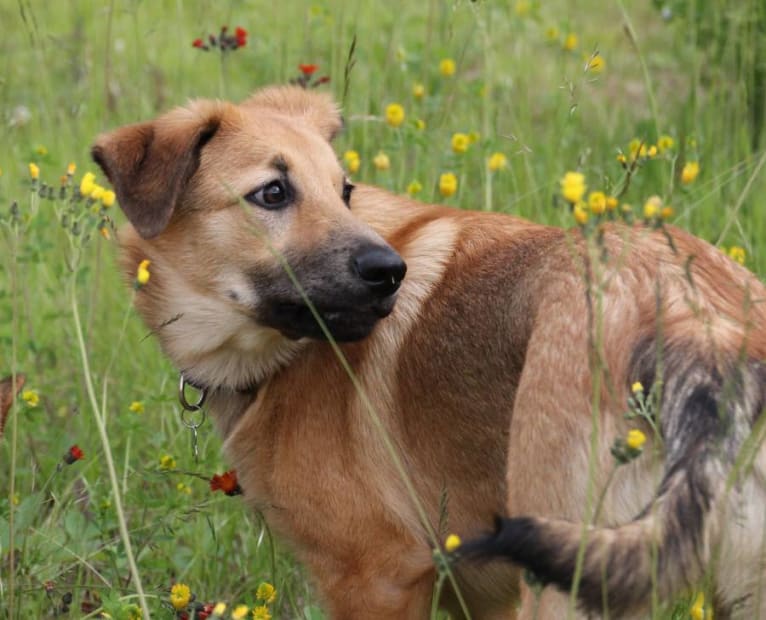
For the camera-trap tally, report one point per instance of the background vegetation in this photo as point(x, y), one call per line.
point(552, 86)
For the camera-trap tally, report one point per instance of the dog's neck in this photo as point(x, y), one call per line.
point(215, 345)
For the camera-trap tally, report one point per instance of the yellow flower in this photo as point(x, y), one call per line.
point(595, 63)
point(394, 114)
point(523, 7)
point(87, 183)
point(497, 161)
point(665, 143)
point(580, 213)
point(690, 171)
point(352, 161)
point(447, 67)
point(31, 398)
point(447, 184)
point(180, 595)
point(697, 610)
point(71, 168)
point(240, 611)
point(142, 273)
point(611, 203)
point(666, 213)
point(626, 208)
point(219, 609)
point(552, 33)
point(418, 90)
point(381, 161)
point(452, 542)
point(622, 159)
point(136, 406)
point(737, 254)
point(414, 187)
point(96, 192)
point(104, 232)
point(652, 151)
point(266, 593)
point(420, 124)
point(597, 202)
point(652, 207)
point(635, 439)
point(573, 186)
point(637, 387)
point(460, 142)
point(167, 462)
point(41, 150)
point(570, 42)
point(261, 612)
point(34, 171)
point(634, 146)
point(183, 488)
point(108, 198)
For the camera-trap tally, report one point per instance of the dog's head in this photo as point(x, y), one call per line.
point(230, 203)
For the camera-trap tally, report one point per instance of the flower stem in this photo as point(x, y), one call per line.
point(100, 423)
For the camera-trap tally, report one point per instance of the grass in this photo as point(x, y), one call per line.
point(70, 70)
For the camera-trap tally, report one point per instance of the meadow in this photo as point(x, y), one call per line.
point(480, 105)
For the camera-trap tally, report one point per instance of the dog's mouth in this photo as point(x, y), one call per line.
point(295, 320)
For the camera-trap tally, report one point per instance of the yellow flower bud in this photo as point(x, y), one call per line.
point(637, 387)
point(690, 172)
point(381, 161)
point(452, 542)
point(87, 183)
point(447, 67)
point(447, 184)
point(394, 114)
point(635, 439)
point(573, 187)
point(418, 91)
point(497, 161)
point(142, 273)
point(34, 171)
point(460, 142)
point(108, 198)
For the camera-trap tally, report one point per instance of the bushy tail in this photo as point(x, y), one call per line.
point(706, 416)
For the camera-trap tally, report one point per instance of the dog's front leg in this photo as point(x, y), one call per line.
point(387, 583)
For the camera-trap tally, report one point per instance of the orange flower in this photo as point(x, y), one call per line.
point(308, 70)
point(74, 453)
point(226, 482)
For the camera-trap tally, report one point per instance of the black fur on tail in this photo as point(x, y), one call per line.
point(708, 409)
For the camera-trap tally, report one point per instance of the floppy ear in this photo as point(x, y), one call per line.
point(149, 164)
point(318, 109)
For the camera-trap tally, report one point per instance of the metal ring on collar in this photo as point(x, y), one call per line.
point(182, 396)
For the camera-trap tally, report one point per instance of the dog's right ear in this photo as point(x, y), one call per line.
point(149, 164)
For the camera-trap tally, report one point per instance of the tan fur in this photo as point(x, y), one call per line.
point(480, 376)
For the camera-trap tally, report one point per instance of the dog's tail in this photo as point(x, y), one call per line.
point(707, 413)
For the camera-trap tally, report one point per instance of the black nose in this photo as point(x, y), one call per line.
point(380, 267)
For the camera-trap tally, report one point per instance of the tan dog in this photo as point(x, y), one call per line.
point(487, 334)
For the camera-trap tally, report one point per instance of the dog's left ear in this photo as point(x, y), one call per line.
point(318, 109)
point(149, 164)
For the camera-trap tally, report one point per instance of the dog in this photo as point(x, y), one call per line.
point(493, 358)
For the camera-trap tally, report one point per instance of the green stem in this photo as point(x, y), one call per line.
point(99, 416)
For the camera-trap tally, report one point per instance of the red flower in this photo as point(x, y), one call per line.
point(198, 43)
point(240, 34)
point(308, 70)
point(226, 482)
point(75, 453)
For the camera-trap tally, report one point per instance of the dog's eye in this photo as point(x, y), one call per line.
point(347, 189)
point(273, 195)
